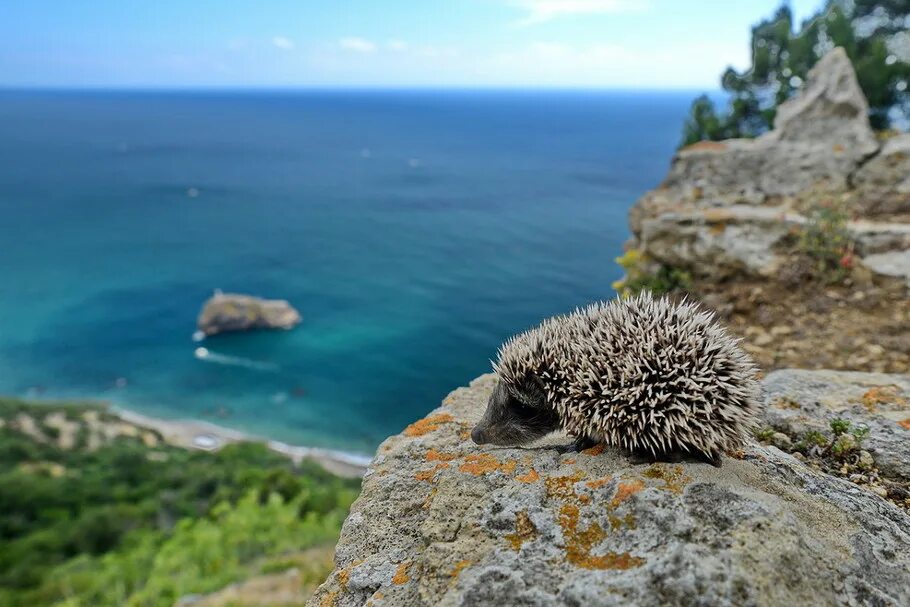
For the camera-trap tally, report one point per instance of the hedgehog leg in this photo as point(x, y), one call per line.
point(676, 456)
point(585, 442)
point(712, 458)
point(581, 443)
point(640, 456)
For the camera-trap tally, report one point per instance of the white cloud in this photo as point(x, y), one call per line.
point(285, 44)
point(397, 45)
point(434, 52)
point(540, 11)
point(357, 45)
point(549, 63)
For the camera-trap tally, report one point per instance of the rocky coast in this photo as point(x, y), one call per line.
point(800, 241)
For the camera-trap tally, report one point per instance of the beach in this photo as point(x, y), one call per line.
point(206, 436)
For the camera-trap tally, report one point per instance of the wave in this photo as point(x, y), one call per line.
point(204, 354)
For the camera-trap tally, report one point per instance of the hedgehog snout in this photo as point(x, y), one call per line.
point(478, 435)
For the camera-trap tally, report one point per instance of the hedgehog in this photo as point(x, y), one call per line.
point(662, 380)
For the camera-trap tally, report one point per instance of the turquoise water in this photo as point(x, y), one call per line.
point(414, 231)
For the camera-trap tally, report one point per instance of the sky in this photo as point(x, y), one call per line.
point(661, 44)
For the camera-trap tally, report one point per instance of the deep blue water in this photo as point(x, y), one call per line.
point(413, 230)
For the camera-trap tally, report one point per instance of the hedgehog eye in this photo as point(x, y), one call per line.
point(523, 409)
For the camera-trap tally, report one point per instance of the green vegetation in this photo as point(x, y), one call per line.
point(642, 275)
point(783, 56)
point(845, 440)
point(764, 434)
point(124, 523)
point(826, 240)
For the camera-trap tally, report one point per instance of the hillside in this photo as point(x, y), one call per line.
point(96, 511)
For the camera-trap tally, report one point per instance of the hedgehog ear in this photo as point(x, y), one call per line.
point(532, 392)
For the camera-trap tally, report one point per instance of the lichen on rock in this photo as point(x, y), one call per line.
point(535, 526)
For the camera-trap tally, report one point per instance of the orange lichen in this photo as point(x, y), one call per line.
point(401, 575)
point(595, 450)
point(459, 567)
point(625, 490)
point(524, 531)
point(598, 483)
point(569, 462)
point(616, 523)
point(530, 477)
point(705, 146)
point(329, 599)
point(672, 476)
point(904, 423)
point(480, 464)
point(579, 544)
point(718, 228)
point(882, 395)
point(428, 500)
point(427, 424)
point(343, 576)
point(584, 499)
point(563, 486)
point(484, 463)
point(785, 403)
point(437, 456)
point(428, 475)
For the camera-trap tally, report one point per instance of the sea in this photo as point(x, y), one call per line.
point(414, 231)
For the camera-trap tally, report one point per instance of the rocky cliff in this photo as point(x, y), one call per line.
point(726, 207)
point(800, 239)
point(441, 521)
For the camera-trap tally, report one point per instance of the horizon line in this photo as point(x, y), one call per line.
point(4, 88)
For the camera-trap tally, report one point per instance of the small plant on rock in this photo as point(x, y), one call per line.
point(644, 275)
point(764, 434)
point(826, 240)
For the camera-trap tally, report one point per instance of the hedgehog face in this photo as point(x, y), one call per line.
point(510, 420)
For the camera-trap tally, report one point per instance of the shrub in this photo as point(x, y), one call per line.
point(826, 240)
point(642, 275)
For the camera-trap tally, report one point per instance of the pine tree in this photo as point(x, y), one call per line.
point(875, 37)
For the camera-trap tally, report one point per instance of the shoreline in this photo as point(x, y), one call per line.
point(207, 436)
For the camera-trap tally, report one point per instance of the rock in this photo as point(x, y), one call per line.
point(441, 521)
point(866, 461)
point(232, 312)
point(844, 443)
point(831, 107)
point(894, 263)
point(883, 183)
point(763, 339)
point(799, 401)
point(820, 138)
point(781, 441)
point(879, 491)
point(718, 241)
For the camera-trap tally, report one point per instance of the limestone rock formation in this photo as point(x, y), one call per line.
point(883, 183)
point(830, 108)
point(233, 312)
point(727, 207)
point(444, 522)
